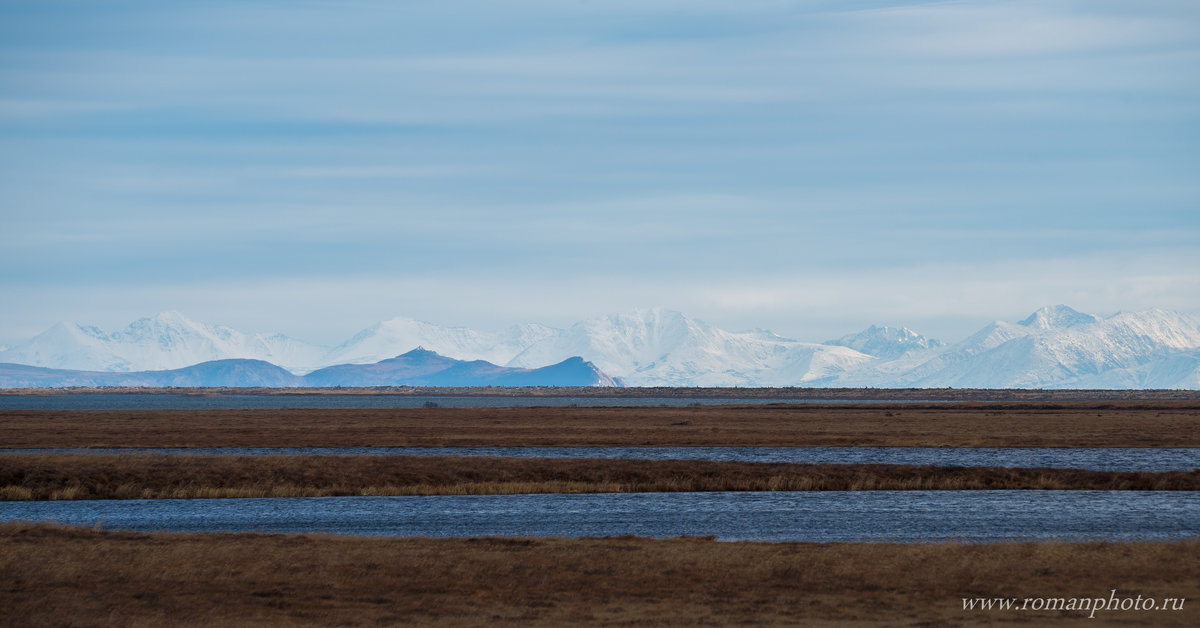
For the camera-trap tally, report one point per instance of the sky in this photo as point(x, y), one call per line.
point(811, 167)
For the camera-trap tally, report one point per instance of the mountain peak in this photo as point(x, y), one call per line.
point(886, 342)
point(1057, 317)
point(421, 352)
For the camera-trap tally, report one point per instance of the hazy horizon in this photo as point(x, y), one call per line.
point(338, 338)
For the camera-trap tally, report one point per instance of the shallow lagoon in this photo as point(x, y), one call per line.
point(896, 516)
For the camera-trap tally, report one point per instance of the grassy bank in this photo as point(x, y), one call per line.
point(146, 476)
point(56, 576)
point(1096, 424)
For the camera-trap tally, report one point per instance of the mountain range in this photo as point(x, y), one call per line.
point(1055, 347)
point(418, 367)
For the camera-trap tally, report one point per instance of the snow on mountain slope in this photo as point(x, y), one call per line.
point(1179, 371)
point(660, 347)
point(886, 342)
point(397, 336)
point(1144, 344)
point(951, 359)
point(68, 346)
point(1061, 348)
point(168, 340)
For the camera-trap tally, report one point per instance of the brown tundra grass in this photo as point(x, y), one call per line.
point(146, 476)
point(56, 576)
point(1004, 424)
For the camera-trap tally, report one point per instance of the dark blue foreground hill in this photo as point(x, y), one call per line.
point(415, 368)
point(223, 373)
point(233, 373)
point(421, 367)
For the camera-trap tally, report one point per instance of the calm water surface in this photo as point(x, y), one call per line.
point(1112, 459)
point(904, 516)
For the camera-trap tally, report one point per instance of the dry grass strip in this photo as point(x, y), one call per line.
point(1067, 424)
point(54, 576)
point(148, 476)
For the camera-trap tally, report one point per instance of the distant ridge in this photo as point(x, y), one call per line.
point(421, 367)
point(241, 373)
point(415, 368)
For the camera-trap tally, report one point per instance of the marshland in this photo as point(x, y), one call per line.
point(110, 577)
point(1138, 423)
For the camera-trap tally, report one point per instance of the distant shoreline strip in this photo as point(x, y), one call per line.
point(25, 477)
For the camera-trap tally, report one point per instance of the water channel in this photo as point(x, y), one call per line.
point(897, 516)
point(1101, 459)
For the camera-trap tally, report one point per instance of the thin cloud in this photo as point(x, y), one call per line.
point(775, 164)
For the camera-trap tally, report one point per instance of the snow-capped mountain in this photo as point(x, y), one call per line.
point(887, 342)
point(391, 338)
point(660, 347)
point(1055, 347)
point(1058, 317)
point(168, 340)
point(1061, 348)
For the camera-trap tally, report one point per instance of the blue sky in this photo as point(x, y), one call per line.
point(809, 167)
